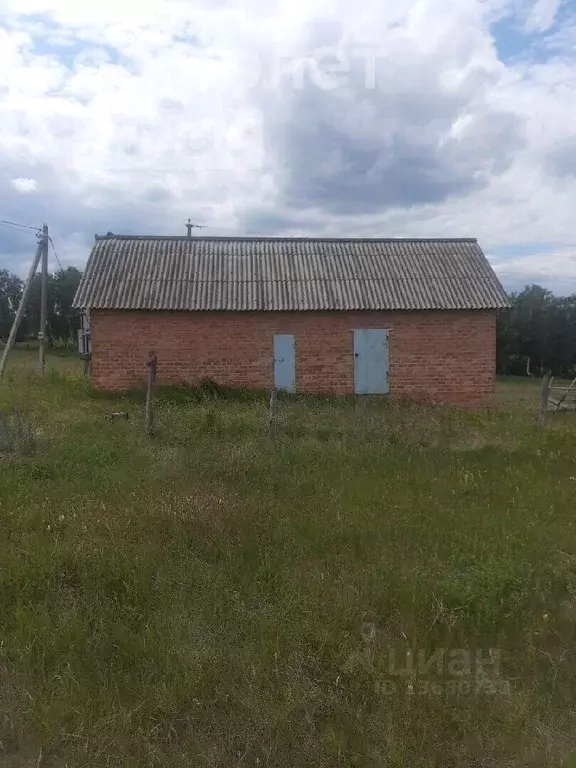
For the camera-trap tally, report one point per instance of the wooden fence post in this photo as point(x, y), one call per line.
point(152, 365)
point(272, 413)
point(544, 399)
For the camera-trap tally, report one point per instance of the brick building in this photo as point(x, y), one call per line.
point(407, 317)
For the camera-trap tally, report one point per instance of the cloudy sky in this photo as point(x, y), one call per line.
point(423, 118)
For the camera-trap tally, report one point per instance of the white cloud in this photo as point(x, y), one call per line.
point(134, 120)
point(542, 15)
point(24, 186)
point(555, 270)
point(539, 265)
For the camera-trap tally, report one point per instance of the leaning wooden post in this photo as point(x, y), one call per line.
point(22, 306)
point(272, 413)
point(152, 365)
point(544, 399)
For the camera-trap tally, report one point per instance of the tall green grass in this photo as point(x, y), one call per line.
point(213, 597)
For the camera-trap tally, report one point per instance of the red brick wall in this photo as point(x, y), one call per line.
point(434, 356)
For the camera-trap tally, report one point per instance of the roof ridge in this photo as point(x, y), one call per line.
point(252, 281)
point(277, 238)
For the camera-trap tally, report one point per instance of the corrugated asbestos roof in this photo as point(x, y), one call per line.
point(277, 274)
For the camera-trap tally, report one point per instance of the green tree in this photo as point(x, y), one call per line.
point(10, 293)
point(62, 321)
point(537, 334)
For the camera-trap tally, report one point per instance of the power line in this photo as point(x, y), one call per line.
point(21, 226)
point(55, 254)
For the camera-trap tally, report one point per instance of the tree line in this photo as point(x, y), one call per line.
point(537, 334)
point(63, 321)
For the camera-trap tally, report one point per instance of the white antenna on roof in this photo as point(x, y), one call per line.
point(190, 227)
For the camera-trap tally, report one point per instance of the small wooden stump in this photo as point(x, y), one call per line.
point(119, 416)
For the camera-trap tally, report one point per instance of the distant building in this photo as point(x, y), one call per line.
point(368, 316)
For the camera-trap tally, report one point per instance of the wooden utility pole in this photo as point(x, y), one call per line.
point(545, 394)
point(152, 365)
point(42, 247)
point(272, 413)
point(43, 301)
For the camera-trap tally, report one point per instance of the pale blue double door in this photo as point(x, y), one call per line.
point(371, 362)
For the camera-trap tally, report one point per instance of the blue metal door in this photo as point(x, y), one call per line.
point(371, 362)
point(284, 362)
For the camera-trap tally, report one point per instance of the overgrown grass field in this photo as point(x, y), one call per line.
point(217, 597)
